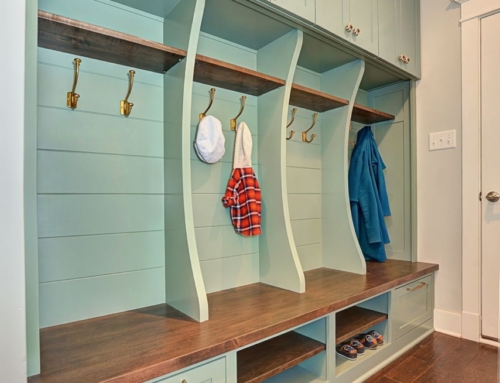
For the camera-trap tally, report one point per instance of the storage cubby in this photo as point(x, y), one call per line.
point(372, 314)
point(298, 356)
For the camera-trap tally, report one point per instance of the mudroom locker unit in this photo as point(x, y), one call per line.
point(134, 270)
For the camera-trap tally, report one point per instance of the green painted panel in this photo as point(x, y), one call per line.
point(68, 215)
point(66, 172)
point(305, 206)
point(305, 181)
point(227, 51)
point(89, 65)
point(307, 231)
point(302, 155)
point(109, 16)
point(331, 15)
point(364, 15)
point(410, 34)
point(222, 242)
point(306, 77)
point(209, 211)
point(98, 93)
point(226, 273)
point(63, 129)
point(79, 257)
point(77, 299)
point(389, 20)
point(210, 178)
point(311, 256)
point(303, 121)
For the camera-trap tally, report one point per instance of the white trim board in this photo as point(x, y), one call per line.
point(448, 322)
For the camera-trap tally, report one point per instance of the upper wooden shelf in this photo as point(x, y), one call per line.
point(366, 115)
point(79, 38)
point(72, 36)
point(355, 320)
point(269, 358)
point(146, 343)
point(311, 99)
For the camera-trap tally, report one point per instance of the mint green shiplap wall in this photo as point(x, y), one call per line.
point(100, 179)
point(227, 259)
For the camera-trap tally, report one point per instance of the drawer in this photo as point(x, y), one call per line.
point(412, 305)
point(213, 372)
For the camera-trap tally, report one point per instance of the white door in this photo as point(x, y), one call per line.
point(490, 162)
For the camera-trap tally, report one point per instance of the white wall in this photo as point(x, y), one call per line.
point(12, 290)
point(439, 173)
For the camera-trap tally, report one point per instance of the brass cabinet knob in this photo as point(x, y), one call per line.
point(349, 27)
point(493, 196)
point(356, 31)
point(404, 59)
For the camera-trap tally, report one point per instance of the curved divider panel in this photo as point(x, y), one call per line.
point(185, 289)
point(279, 263)
point(341, 250)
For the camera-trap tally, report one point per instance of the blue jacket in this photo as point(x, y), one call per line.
point(368, 196)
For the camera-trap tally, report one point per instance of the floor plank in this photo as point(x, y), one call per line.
point(442, 358)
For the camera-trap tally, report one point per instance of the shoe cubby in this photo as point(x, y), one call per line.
point(367, 316)
point(297, 356)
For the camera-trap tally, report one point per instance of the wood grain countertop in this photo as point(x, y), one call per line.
point(138, 345)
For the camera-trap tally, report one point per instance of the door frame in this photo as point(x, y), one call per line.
point(472, 12)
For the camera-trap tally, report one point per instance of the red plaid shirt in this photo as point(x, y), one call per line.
point(243, 197)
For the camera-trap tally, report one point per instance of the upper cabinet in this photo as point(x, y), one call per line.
point(354, 20)
point(399, 33)
point(303, 8)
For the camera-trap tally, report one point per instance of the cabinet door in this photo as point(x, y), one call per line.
point(363, 15)
point(399, 33)
point(410, 34)
point(303, 8)
point(412, 305)
point(213, 372)
point(330, 15)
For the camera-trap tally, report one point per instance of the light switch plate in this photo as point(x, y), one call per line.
point(443, 140)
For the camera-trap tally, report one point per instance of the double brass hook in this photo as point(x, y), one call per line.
point(304, 134)
point(234, 120)
point(212, 96)
point(125, 106)
point(292, 132)
point(72, 97)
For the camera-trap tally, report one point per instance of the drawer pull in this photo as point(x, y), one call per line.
point(422, 284)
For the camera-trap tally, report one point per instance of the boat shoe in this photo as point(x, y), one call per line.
point(367, 341)
point(378, 337)
point(347, 352)
point(356, 344)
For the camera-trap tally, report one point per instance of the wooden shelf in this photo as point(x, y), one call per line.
point(311, 99)
point(71, 36)
point(365, 115)
point(233, 77)
point(269, 358)
point(355, 320)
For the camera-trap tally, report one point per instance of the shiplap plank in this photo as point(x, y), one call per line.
point(310, 256)
point(66, 172)
point(71, 215)
point(99, 94)
point(210, 178)
point(307, 231)
point(79, 257)
point(304, 206)
point(226, 273)
point(69, 301)
point(303, 121)
point(301, 180)
point(222, 241)
point(64, 129)
point(209, 211)
point(89, 65)
point(300, 154)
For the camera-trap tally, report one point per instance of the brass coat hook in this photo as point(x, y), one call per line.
point(234, 120)
point(304, 134)
point(125, 106)
point(72, 97)
point(292, 132)
point(212, 96)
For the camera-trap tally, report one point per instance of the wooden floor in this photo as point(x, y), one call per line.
point(442, 359)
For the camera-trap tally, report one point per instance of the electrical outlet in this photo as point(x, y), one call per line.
point(443, 140)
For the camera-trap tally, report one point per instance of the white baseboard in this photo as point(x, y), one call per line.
point(471, 326)
point(448, 323)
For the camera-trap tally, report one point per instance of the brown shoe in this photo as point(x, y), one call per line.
point(347, 352)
